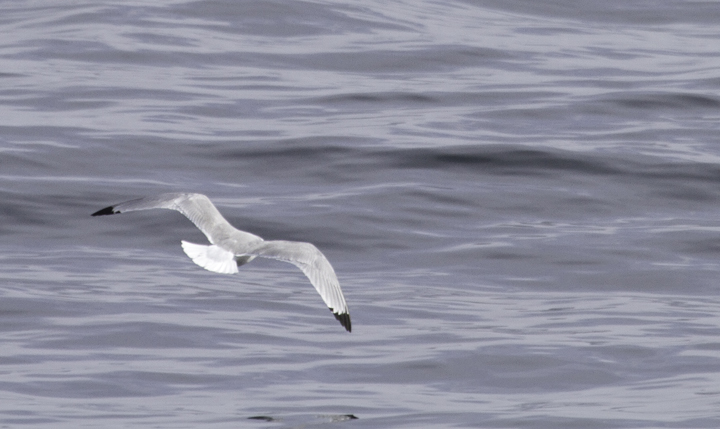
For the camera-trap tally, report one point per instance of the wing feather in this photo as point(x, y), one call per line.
point(196, 207)
point(316, 267)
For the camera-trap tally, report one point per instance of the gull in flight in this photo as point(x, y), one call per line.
point(232, 248)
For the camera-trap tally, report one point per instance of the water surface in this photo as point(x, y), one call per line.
point(520, 201)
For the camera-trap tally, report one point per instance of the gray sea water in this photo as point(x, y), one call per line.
point(521, 200)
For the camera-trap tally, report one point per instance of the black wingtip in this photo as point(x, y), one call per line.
point(344, 320)
point(106, 211)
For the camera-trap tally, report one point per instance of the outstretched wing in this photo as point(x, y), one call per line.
point(196, 207)
point(315, 266)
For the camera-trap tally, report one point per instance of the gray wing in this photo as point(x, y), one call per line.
point(196, 207)
point(315, 266)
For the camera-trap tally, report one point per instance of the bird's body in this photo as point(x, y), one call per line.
point(231, 247)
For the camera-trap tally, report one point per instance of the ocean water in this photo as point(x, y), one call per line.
point(520, 199)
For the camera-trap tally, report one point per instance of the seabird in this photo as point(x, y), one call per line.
point(232, 248)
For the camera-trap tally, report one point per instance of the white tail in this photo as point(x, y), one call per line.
point(213, 258)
